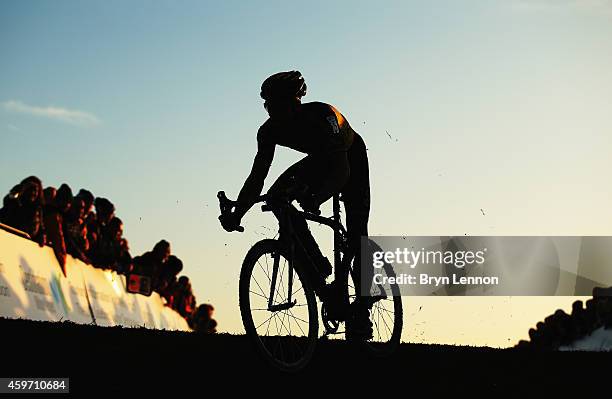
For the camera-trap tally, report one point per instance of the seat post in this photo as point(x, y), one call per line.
point(337, 237)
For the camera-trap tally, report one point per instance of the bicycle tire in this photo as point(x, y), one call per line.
point(380, 315)
point(269, 247)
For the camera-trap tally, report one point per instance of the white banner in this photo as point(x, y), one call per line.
point(32, 286)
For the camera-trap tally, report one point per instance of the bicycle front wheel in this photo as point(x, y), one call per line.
point(278, 307)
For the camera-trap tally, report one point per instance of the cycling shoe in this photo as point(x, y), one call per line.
point(336, 302)
point(358, 325)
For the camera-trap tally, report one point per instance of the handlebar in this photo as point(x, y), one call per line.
point(226, 205)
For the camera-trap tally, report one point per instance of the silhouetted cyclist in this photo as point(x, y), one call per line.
point(336, 162)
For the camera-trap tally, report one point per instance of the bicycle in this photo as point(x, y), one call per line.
point(277, 297)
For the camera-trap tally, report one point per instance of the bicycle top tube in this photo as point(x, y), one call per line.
point(325, 220)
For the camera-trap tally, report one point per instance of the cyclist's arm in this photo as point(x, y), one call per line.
point(254, 183)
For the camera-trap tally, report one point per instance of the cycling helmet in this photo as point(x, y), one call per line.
point(282, 85)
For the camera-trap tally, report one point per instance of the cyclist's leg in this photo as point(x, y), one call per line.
point(330, 176)
point(288, 178)
point(356, 197)
point(357, 226)
point(325, 175)
point(315, 172)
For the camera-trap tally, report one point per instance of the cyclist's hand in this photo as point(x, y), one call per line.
point(230, 222)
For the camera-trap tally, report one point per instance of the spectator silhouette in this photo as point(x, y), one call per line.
point(89, 218)
point(105, 211)
point(75, 231)
point(168, 279)
point(23, 209)
point(125, 258)
point(188, 306)
point(88, 200)
point(55, 212)
point(177, 292)
point(111, 251)
point(151, 263)
point(203, 322)
point(183, 300)
point(93, 233)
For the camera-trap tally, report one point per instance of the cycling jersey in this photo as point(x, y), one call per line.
point(315, 129)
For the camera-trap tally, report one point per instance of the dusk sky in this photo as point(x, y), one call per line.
point(482, 117)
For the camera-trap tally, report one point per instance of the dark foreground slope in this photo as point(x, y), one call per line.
point(137, 361)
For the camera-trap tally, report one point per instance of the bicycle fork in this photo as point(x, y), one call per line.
point(281, 306)
point(275, 269)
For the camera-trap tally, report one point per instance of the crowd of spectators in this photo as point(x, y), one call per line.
point(86, 228)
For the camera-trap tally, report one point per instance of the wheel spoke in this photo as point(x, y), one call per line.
point(298, 324)
point(281, 320)
point(297, 318)
point(300, 289)
point(262, 269)
point(262, 323)
point(376, 326)
point(258, 294)
point(277, 336)
point(384, 309)
point(380, 314)
point(259, 286)
point(281, 335)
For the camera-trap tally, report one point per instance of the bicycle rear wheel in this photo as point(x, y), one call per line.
point(283, 329)
point(386, 315)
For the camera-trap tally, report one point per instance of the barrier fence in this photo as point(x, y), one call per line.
point(32, 286)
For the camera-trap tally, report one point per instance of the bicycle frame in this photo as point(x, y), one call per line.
point(284, 211)
point(286, 234)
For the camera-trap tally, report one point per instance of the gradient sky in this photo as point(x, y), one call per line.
point(501, 105)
